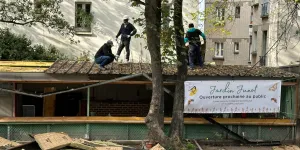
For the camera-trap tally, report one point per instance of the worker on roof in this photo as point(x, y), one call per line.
point(192, 40)
point(127, 30)
point(104, 55)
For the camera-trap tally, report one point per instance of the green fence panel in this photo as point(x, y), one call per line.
point(109, 131)
point(249, 132)
point(21, 132)
point(276, 133)
point(137, 132)
point(204, 132)
point(3, 131)
point(73, 130)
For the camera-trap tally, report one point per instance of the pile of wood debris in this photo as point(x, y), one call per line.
point(53, 140)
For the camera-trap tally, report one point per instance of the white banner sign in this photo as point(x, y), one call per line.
point(251, 96)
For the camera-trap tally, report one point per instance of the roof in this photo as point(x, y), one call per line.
point(24, 66)
point(90, 68)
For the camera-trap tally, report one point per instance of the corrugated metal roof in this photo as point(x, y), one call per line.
point(90, 68)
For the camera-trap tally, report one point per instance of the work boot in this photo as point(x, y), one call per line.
point(102, 68)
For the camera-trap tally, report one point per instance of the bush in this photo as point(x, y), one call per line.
point(19, 47)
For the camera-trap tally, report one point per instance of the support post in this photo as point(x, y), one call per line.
point(87, 131)
point(297, 140)
point(88, 102)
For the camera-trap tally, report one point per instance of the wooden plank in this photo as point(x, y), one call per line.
point(141, 120)
point(85, 68)
point(21, 69)
point(56, 66)
point(25, 63)
point(66, 67)
point(84, 82)
point(49, 103)
point(76, 67)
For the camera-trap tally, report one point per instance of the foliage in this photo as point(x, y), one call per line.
point(216, 25)
point(24, 50)
point(190, 146)
point(84, 18)
point(32, 12)
point(84, 56)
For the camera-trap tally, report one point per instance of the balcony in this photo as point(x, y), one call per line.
point(262, 60)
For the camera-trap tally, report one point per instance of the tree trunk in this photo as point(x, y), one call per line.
point(181, 52)
point(153, 25)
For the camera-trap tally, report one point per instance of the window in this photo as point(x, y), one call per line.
point(236, 47)
point(83, 17)
point(254, 47)
point(265, 9)
point(220, 13)
point(237, 12)
point(219, 50)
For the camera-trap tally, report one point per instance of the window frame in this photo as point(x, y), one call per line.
point(220, 13)
point(265, 8)
point(82, 28)
point(236, 46)
point(219, 50)
point(238, 15)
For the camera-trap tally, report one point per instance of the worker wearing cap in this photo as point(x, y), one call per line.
point(104, 55)
point(126, 31)
point(192, 40)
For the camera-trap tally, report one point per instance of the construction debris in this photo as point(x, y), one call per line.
point(157, 147)
point(4, 143)
point(53, 140)
point(290, 147)
point(48, 141)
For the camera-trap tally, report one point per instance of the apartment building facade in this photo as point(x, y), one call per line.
point(274, 33)
point(107, 19)
point(233, 48)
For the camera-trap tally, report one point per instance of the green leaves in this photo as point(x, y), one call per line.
point(31, 12)
point(9, 50)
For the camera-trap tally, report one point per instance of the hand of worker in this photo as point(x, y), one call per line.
point(187, 44)
point(128, 36)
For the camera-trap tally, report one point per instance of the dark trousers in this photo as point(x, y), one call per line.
point(195, 55)
point(126, 44)
point(104, 60)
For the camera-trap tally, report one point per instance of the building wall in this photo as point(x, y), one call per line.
point(282, 46)
point(107, 20)
point(120, 100)
point(239, 32)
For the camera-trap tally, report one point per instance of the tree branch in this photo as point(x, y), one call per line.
point(17, 23)
point(139, 2)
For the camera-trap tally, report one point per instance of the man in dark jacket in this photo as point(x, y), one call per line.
point(104, 55)
point(192, 40)
point(126, 31)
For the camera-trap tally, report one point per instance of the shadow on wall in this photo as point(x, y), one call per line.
point(107, 20)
